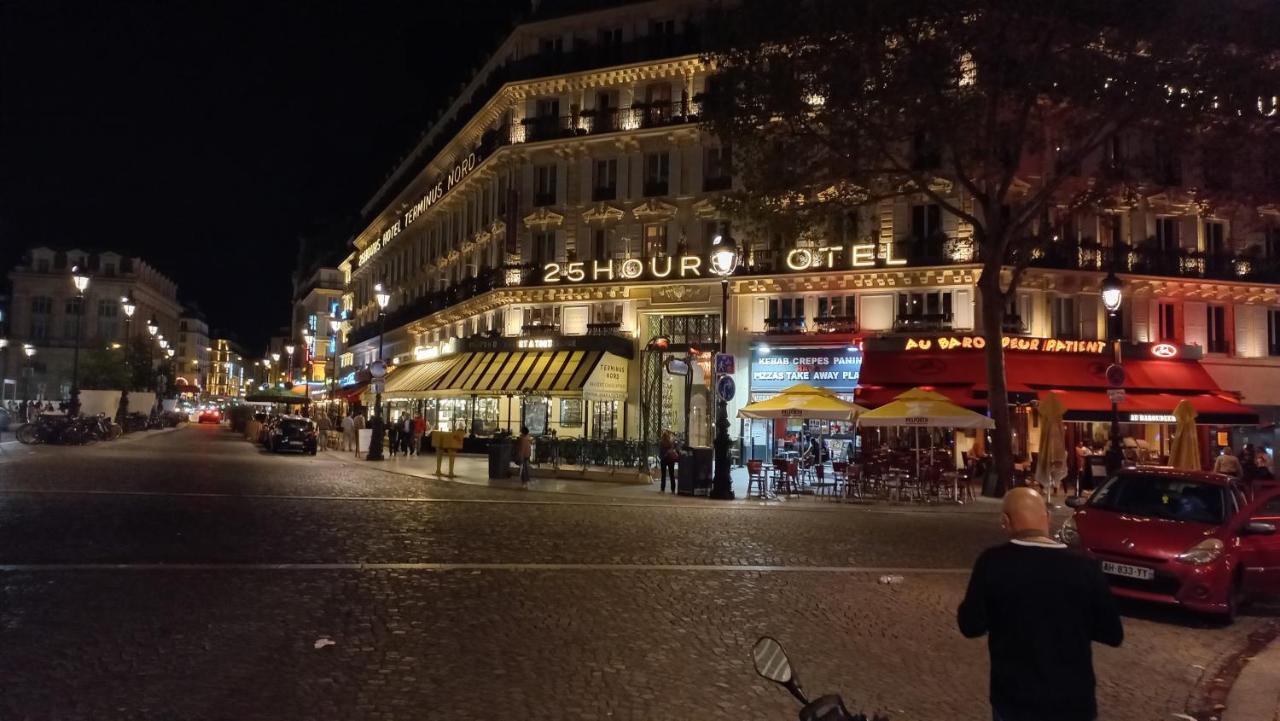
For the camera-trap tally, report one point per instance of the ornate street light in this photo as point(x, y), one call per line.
point(81, 282)
point(1112, 292)
point(1112, 297)
point(383, 298)
point(335, 325)
point(152, 326)
point(288, 350)
point(724, 261)
point(129, 307)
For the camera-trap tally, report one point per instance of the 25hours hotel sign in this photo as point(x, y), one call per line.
point(776, 369)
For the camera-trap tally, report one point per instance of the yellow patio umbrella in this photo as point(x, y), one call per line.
point(803, 401)
point(1051, 457)
point(920, 408)
point(1185, 451)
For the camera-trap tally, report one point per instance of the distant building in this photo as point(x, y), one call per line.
point(194, 352)
point(44, 305)
point(226, 368)
point(316, 299)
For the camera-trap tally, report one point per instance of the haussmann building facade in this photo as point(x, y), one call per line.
point(545, 250)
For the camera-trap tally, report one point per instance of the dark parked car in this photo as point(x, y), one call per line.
point(1191, 539)
point(293, 433)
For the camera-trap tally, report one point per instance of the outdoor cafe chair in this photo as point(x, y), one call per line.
point(757, 478)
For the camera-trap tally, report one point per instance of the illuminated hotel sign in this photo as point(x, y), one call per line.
point(859, 255)
point(443, 185)
point(685, 266)
point(1040, 345)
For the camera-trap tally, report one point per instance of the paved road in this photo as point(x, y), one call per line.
point(190, 576)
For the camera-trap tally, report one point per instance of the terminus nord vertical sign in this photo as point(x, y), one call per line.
point(444, 183)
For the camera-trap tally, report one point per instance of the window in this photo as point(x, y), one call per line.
point(605, 180)
point(1216, 328)
point(924, 310)
point(606, 112)
point(717, 168)
point(42, 304)
point(42, 265)
point(72, 306)
point(599, 243)
point(108, 309)
point(109, 269)
point(39, 328)
point(662, 28)
point(1167, 233)
point(838, 306)
point(657, 100)
point(657, 171)
point(544, 192)
point(655, 239)
point(926, 220)
point(1215, 237)
point(108, 329)
point(1063, 318)
point(785, 315)
point(544, 248)
point(609, 37)
point(69, 327)
point(925, 152)
point(547, 108)
point(501, 199)
point(607, 313)
point(1164, 319)
point(551, 46)
point(570, 412)
point(542, 316)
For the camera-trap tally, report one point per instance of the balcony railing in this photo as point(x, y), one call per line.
point(540, 329)
point(433, 302)
point(1013, 325)
point(604, 328)
point(602, 120)
point(917, 322)
point(783, 326)
point(835, 324)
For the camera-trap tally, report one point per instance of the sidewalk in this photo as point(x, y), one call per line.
point(473, 470)
point(1255, 695)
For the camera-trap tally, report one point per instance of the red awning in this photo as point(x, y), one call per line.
point(1033, 372)
point(1211, 409)
point(876, 396)
point(352, 393)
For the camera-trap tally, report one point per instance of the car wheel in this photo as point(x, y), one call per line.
point(27, 434)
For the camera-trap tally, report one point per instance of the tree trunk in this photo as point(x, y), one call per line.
point(998, 394)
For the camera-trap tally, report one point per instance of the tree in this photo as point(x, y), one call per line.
point(998, 111)
point(103, 368)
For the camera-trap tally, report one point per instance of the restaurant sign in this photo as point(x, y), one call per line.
point(835, 369)
point(977, 342)
point(432, 195)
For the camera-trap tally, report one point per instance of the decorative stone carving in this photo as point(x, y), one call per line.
point(603, 214)
point(543, 219)
point(654, 211)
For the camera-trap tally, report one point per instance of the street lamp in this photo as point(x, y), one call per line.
point(724, 261)
point(383, 298)
point(288, 349)
point(335, 324)
point(81, 282)
point(307, 338)
point(29, 350)
point(129, 307)
point(1112, 296)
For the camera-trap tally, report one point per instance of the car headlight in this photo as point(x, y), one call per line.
point(1206, 551)
point(1068, 533)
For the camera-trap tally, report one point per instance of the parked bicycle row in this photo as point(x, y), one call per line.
point(64, 429)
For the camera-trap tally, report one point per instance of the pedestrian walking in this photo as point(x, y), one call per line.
point(669, 455)
point(1227, 463)
point(359, 426)
point(348, 433)
point(393, 437)
point(323, 426)
point(524, 452)
point(1041, 607)
point(406, 435)
point(419, 430)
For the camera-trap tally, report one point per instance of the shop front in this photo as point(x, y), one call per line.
point(1156, 377)
point(556, 386)
point(775, 368)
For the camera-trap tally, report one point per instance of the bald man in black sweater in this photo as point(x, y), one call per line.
point(1042, 606)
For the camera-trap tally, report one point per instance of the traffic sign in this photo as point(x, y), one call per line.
point(677, 366)
point(377, 369)
point(726, 388)
point(724, 363)
point(1116, 375)
point(1115, 395)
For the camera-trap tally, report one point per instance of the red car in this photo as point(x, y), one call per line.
point(1192, 539)
point(210, 415)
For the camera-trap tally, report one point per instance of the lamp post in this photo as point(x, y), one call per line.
point(307, 338)
point(4, 369)
point(335, 324)
point(275, 358)
point(129, 307)
point(28, 350)
point(81, 282)
point(288, 378)
point(383, 298)
point(1112, 296)
point(724, 261)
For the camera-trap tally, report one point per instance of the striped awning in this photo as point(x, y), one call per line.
point(517, 372)
point(415, 379)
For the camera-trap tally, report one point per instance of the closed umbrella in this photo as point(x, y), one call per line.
point(1185, 452)
point(1051, 457)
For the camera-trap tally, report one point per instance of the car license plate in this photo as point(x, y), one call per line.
point(1124, 569)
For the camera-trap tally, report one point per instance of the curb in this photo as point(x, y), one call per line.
point(1255, 695)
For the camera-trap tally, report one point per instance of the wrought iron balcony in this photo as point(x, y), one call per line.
point(613, 328)
point(783, 326)
point(917, 322)
point(835, 323)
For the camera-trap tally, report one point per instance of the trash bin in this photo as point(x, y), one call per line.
point(694, 471)
point(500, 459)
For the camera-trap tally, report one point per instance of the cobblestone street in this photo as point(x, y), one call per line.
point(190, 576)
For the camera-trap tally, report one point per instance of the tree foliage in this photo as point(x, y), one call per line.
point(999, 111)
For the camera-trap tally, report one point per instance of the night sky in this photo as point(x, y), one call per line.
point(207, 137)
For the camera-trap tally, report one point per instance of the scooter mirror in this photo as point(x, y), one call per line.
point(771, 660)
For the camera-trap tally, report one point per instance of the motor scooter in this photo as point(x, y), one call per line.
point(771, 662)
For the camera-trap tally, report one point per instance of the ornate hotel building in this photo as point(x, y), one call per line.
point(545, 250)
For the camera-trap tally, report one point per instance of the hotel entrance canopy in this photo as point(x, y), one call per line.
point(595, 374)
